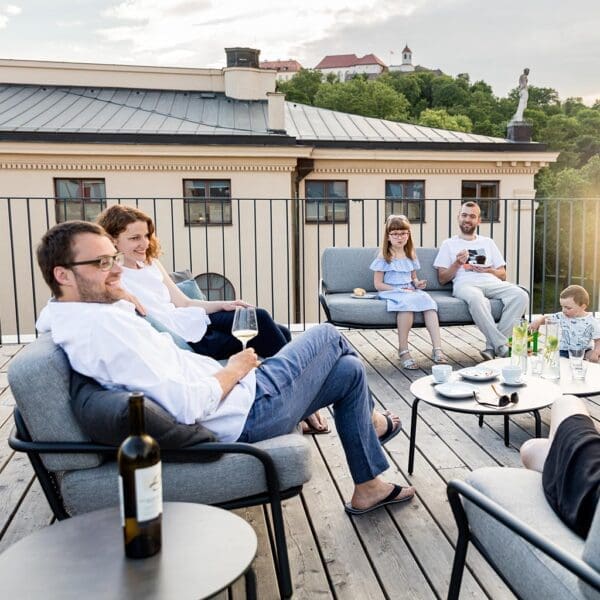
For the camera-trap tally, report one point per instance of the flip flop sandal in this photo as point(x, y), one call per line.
point(392, 498)
point(408, 363)
point(390, 432)
point(308, 429)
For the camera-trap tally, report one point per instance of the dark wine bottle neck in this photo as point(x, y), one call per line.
point(137, 425)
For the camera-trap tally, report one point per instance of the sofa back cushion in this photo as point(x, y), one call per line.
point(343, 269)
point(39, 377)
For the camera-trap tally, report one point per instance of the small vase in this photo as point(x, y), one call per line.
point(550, 352)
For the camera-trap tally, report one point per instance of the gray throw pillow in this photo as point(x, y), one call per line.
point(190, 288)
point(104, 417)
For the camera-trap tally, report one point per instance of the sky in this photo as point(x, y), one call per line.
point(492, 41)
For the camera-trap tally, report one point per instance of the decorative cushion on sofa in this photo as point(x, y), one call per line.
point(104, 417)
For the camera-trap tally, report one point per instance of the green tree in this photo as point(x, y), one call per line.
point(362, 97)
point(302, 87)
point(440, 119)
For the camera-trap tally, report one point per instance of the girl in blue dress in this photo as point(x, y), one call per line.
point(397, 283)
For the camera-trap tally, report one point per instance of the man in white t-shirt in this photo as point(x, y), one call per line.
point(478, 272)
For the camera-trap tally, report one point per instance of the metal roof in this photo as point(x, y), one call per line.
point(44, 112)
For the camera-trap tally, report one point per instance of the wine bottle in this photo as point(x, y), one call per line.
point(140, 485)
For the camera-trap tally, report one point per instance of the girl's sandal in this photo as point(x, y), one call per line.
point(409, 362)
point(437, 356)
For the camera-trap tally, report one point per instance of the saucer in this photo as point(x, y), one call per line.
point(455, 389)
point(480, 373)
point(365, 296)
point(520, 383)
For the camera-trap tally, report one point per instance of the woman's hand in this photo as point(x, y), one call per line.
point(233, 304)
point(118, 293)
point(420, 284)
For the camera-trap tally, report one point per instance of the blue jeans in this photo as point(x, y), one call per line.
point(317, 369)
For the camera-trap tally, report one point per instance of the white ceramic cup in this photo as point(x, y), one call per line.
point(441, 373)
point(512, 373)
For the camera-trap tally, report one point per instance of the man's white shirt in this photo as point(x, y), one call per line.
point(120, 350)
point(481, 245)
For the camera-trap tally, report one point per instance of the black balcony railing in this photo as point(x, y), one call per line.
point(267, 251)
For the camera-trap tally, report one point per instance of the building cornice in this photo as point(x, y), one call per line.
point(141, 166)
point(437, 170)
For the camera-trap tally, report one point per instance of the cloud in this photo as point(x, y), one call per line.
point(7, 11)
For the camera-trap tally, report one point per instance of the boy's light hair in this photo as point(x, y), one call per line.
point(578, 293)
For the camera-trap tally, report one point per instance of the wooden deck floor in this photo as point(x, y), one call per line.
point(405, 551)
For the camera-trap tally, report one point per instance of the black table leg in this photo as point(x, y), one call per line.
point(538, 423)
point(506, 437)
point(250, 579)
point(413, 436)
point(480, 420)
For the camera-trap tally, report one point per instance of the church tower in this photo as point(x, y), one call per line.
point(407, 65)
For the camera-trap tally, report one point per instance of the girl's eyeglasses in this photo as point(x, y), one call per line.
point(398, 234)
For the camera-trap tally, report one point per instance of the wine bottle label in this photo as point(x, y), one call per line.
point(148, 492)
point(121, 501)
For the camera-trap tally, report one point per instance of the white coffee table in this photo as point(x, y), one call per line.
point(578, 387)
point(532, 398)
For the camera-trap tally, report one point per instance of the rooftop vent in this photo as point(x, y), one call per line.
point(242, 57)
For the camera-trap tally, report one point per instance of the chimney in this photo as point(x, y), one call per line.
point(276, 112)
point(244, 80)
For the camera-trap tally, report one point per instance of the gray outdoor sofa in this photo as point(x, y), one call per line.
point(70, 428)
point(504, 513)
point(343, 269)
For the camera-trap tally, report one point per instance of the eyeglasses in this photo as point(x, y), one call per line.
point(398, 233)
point(104, 263)
point(503, 399)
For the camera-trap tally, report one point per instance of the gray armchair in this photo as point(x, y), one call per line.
point(79, 475)
point(504, 513)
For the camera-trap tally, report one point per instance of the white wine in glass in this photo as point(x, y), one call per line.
point(245, 326)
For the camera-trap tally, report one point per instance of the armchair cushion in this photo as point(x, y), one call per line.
point(233, 476)
point(531, 573)
point(104, 416)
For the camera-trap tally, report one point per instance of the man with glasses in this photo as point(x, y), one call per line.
point(245, 400)
point(478, 272)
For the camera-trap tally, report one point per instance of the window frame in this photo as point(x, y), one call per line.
point(390, 200)
point(207, 202)
point(486, 202)
point(83, 198)
point(328, 201)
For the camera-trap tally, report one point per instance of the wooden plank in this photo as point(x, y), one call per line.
point(266, 582)
point(15, 479)
point(33, 514)
point(348, 567)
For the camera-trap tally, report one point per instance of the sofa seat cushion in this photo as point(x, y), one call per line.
point(530, 572)
point(344, 308)
point(232, 476)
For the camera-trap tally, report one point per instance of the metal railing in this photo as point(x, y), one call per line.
point(270, 251)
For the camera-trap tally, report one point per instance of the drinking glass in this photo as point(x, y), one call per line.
point(576, 354)
point(245, 325)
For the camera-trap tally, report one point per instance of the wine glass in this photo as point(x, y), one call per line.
point(245, 326)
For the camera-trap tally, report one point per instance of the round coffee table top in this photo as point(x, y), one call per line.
point(204, 550)
point(578, 387)
point(534, 395)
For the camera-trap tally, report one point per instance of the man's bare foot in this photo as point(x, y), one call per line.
point(315, 423)
point(372, 494)
point(380, 422)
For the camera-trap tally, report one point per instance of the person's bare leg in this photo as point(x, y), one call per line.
point(404, 321)
point(535, 451)
point(433, 327)
point(371, 492)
